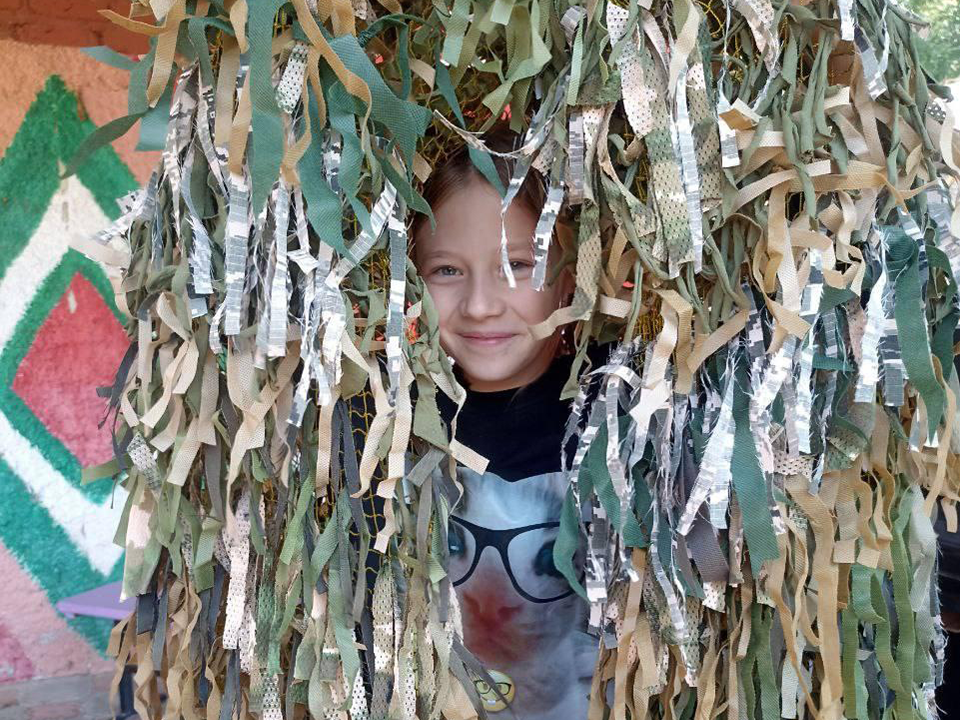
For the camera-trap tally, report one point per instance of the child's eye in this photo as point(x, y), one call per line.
point(520, 265)
point(446, 271)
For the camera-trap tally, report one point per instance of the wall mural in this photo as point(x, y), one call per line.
point(59, 337)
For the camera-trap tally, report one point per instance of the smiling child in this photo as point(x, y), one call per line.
point(521, 619)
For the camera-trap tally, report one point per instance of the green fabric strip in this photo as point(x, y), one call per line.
point(749, 482)
point(902, 264)
point(267, 119)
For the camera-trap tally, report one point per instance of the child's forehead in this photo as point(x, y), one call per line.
point(468, 218)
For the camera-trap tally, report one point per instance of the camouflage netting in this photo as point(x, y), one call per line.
point(767, 227)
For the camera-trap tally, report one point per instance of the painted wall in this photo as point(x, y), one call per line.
point(60, 338)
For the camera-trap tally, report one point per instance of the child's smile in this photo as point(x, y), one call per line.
point(488, 339)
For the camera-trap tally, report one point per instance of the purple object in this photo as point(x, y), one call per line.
point(102, 602)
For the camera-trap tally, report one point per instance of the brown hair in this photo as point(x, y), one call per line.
point(455, 168)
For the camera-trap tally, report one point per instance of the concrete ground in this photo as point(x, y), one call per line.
point(73, 697)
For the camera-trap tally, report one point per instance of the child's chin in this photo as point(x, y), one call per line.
point(490, 370)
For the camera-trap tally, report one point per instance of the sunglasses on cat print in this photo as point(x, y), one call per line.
point(526, 553)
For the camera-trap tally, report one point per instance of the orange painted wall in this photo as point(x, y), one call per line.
point(102, 92)
point(71, 23)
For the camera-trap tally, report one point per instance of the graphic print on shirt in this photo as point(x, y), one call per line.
point(521, 618)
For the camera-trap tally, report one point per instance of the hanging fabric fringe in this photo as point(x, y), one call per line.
point(769, 232)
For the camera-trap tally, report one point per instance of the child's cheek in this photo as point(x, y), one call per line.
point(443, 300)
point(536, 306)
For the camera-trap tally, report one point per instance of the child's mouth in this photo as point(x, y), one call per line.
point(487, 339)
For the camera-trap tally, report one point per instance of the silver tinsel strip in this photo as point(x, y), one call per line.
point(277, 339)
point(331, 161)
point(911, 228)
point(311, 269)
point(332, 310)
point(917, 426)
point(687, 154)
point(533, 140)
point(264, 263)
point(575, 153)
point(813, 291)
point(235, 264)
point(847, 10)
point(778, 370)
point(544, 230)
point(713, 478)
point(753, 331)
point(216, 157)
point(765, 391)
point(940, 214)
point(678, 618)
point(139, 204)
point(610, 400)
point(304, 260)
point(828, 323)
point(571, 20)
point(869, 353)
point(894, 373)
point(767, 376)
point(200, 254)
point(598, 531)
point(729, 154)
point(804, 406)
point(680, 415)
point(597, 569)
point(571, 471)
point(872, 70)
point(213, 335)
point(809, 307)
point(315, 315)
point(398, 292)
point(178, 135)
point(156, 235)
point(829, 393)
point(788, 391)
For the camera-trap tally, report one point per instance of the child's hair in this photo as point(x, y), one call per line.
point(455, 168)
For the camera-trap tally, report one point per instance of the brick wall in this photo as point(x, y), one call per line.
point(71, 23)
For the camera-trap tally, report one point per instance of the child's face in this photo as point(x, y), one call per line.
point(484, 324)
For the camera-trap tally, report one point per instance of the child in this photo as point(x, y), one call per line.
point(521, 619)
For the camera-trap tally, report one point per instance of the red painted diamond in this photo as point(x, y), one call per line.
point(77, 349)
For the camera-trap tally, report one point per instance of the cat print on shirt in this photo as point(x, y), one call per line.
point(520, 617)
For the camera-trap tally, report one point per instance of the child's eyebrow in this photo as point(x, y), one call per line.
point(526, 247)
point(433, 254)
point(447, 254)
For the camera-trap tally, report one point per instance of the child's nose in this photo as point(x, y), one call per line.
point(482, 300)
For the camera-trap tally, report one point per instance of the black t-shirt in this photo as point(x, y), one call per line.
point(521, 619)
point(519, 430)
